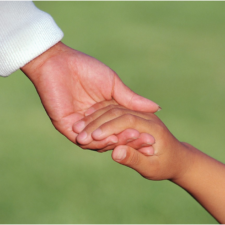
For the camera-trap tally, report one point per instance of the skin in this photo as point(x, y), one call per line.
point(71, 84)
point(131, 137)
point(179, 162)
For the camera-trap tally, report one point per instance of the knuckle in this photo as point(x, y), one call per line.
point(109, 107)
point(115, 112)
point(158, 127)
point(88, 118)
point(131, 119)
point(81, 146)
point(133, 159)
point(106, 104)
point(103, 104)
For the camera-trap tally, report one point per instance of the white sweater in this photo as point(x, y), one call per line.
point(25, 33)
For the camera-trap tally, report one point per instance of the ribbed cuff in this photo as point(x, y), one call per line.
point(34, 35)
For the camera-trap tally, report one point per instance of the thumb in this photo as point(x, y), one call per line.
point(126, 97)
point(130, 157)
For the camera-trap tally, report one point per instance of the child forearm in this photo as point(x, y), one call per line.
point(205, 181)
point(199, 174)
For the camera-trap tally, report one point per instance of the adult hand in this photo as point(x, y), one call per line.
point(70, 82)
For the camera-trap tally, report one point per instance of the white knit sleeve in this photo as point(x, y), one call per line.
point(25, 33)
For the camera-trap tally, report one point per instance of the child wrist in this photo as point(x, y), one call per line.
point(187, 154)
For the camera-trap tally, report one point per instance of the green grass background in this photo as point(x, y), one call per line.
point(170, 52)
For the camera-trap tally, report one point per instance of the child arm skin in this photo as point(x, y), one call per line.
point(199, 174)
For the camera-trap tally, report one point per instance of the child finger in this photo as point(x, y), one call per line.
point(148, 151)
point(132, 158)
point(144, 140)
point(99, 105)
point(85, 136)
point(127, 136)
point(107, 144)
point(81, 124)
point(112, 141)
point(117, 125)
point(105, 114)
point(124, 137)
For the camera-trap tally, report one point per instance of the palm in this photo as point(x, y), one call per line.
point(69, 82)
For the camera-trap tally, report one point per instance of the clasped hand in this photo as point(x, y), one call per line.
point(130, 135)
point(72, 84)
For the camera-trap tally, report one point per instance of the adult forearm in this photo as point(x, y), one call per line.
point(35, 66)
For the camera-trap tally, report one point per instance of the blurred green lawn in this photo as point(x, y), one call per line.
point(170, 52)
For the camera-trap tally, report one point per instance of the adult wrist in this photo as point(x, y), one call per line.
point(31, 68)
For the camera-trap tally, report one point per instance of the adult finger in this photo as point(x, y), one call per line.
point(126, 97)
point(64, 125)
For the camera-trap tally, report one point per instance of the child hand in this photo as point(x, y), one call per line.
point(167, 152)
point(131, 137)
point(186, 166)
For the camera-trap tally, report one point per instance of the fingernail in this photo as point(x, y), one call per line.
point(79, 126)
point(159, 109)
point(89, 111)
point(146, 144)
point(131, 139)
point(150, 152)
point(120, 155)
point(97, 133)
point(82, 136)
point(112, 142)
